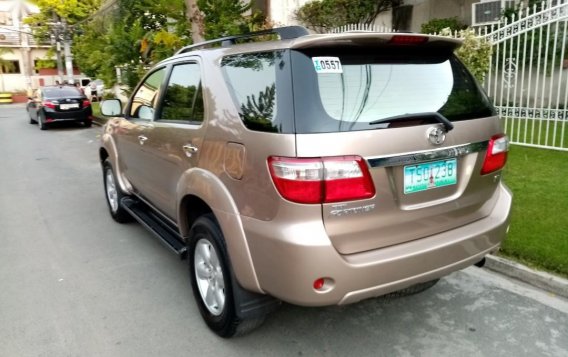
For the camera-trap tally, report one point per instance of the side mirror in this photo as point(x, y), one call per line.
point(111, 108)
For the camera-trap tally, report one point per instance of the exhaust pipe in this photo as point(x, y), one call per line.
point(480, 263)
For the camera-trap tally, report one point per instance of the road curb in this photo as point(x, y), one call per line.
point(542, 280)
point(99, 121)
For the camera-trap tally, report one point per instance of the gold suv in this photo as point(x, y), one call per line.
point(314, 169)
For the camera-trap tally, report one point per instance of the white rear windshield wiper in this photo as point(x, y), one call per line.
point(439, 117)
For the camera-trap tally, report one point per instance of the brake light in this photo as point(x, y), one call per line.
point(321, 180)
point(86, 103)
point(48, 104)
point(496, 156)
point(408, 40)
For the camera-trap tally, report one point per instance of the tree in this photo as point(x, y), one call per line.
point(195, 18)
point(132, 36)
point(229, 17)
point(54, 11)
point(324, 15)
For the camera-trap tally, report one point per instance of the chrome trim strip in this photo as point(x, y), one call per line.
point(429, 155)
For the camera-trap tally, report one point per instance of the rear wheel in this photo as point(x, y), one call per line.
point(211, 281)
point(113, 195)
point(87, 123)
point(41, 121)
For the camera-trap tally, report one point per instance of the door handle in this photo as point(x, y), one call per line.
point(142, 139)
point(190, 150)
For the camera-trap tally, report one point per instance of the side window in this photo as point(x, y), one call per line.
point(252, 81)
point(146, 98)
point(184, 99)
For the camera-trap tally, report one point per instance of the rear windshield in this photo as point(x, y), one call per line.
point(346, 90)
point(61, 92)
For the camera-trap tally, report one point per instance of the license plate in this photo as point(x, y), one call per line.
point(430, 175)
point(68, 106)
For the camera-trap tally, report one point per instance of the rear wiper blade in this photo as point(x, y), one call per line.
point(439, 117)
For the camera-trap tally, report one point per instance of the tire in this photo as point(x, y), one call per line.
point(87, 123)
point(414, 289)
point(113, 195)
point(210, 275)
point(41, 122)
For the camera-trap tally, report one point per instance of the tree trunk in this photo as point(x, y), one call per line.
point(195, 17)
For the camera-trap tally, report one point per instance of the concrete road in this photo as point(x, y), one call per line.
point(74, 283)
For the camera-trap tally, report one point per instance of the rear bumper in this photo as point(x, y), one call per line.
point(78, 115)
point(289, 257)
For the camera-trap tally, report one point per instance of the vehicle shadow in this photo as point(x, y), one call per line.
point(66, 126)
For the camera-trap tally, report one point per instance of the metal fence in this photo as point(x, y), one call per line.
point(528, 75)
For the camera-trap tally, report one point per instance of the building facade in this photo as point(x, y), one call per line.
point(407, 17)
point(18, 49)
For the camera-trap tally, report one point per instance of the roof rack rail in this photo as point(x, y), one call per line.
point(285, 33)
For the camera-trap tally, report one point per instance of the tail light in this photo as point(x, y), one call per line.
point(321, 180)
point(496, 156)
point(86, 103)
point(48, 104)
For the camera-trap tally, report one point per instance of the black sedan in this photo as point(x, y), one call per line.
point(59, 103)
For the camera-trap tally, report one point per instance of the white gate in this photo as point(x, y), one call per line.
point(528, 78)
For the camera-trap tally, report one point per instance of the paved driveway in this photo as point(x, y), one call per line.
point(74, 283)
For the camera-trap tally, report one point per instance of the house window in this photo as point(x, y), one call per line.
point(7, 66)
point(5, 18)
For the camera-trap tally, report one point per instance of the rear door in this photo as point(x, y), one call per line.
point(384, 104)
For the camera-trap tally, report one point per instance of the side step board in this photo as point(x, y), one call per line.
point(164, 231)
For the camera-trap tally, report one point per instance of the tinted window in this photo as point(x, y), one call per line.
point(146, 98)
point(252, 80)
point(373, 86)
point(61, 92)
point(183, 99)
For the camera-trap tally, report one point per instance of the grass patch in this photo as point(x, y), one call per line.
point(539, 227)
point(551, 133)
point(96, 109)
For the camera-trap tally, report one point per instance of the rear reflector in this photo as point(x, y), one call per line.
point(321, 180)
point(86, 103)
point(408, 40)
point(496, 156)
point(318, 283)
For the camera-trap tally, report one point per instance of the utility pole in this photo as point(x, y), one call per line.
point(59, 62)
point(67, 53)
point(61, 32)
point(56, 41)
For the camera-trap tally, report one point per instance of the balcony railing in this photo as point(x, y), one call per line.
point(16, 36)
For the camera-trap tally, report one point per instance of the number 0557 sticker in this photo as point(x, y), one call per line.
point(327, 64)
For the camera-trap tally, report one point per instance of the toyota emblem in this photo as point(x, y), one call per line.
point(436, 135)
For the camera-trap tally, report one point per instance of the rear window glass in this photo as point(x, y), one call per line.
point(61, 92)
point(368, 87)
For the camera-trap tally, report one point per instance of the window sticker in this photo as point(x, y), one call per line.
point(327, 64)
